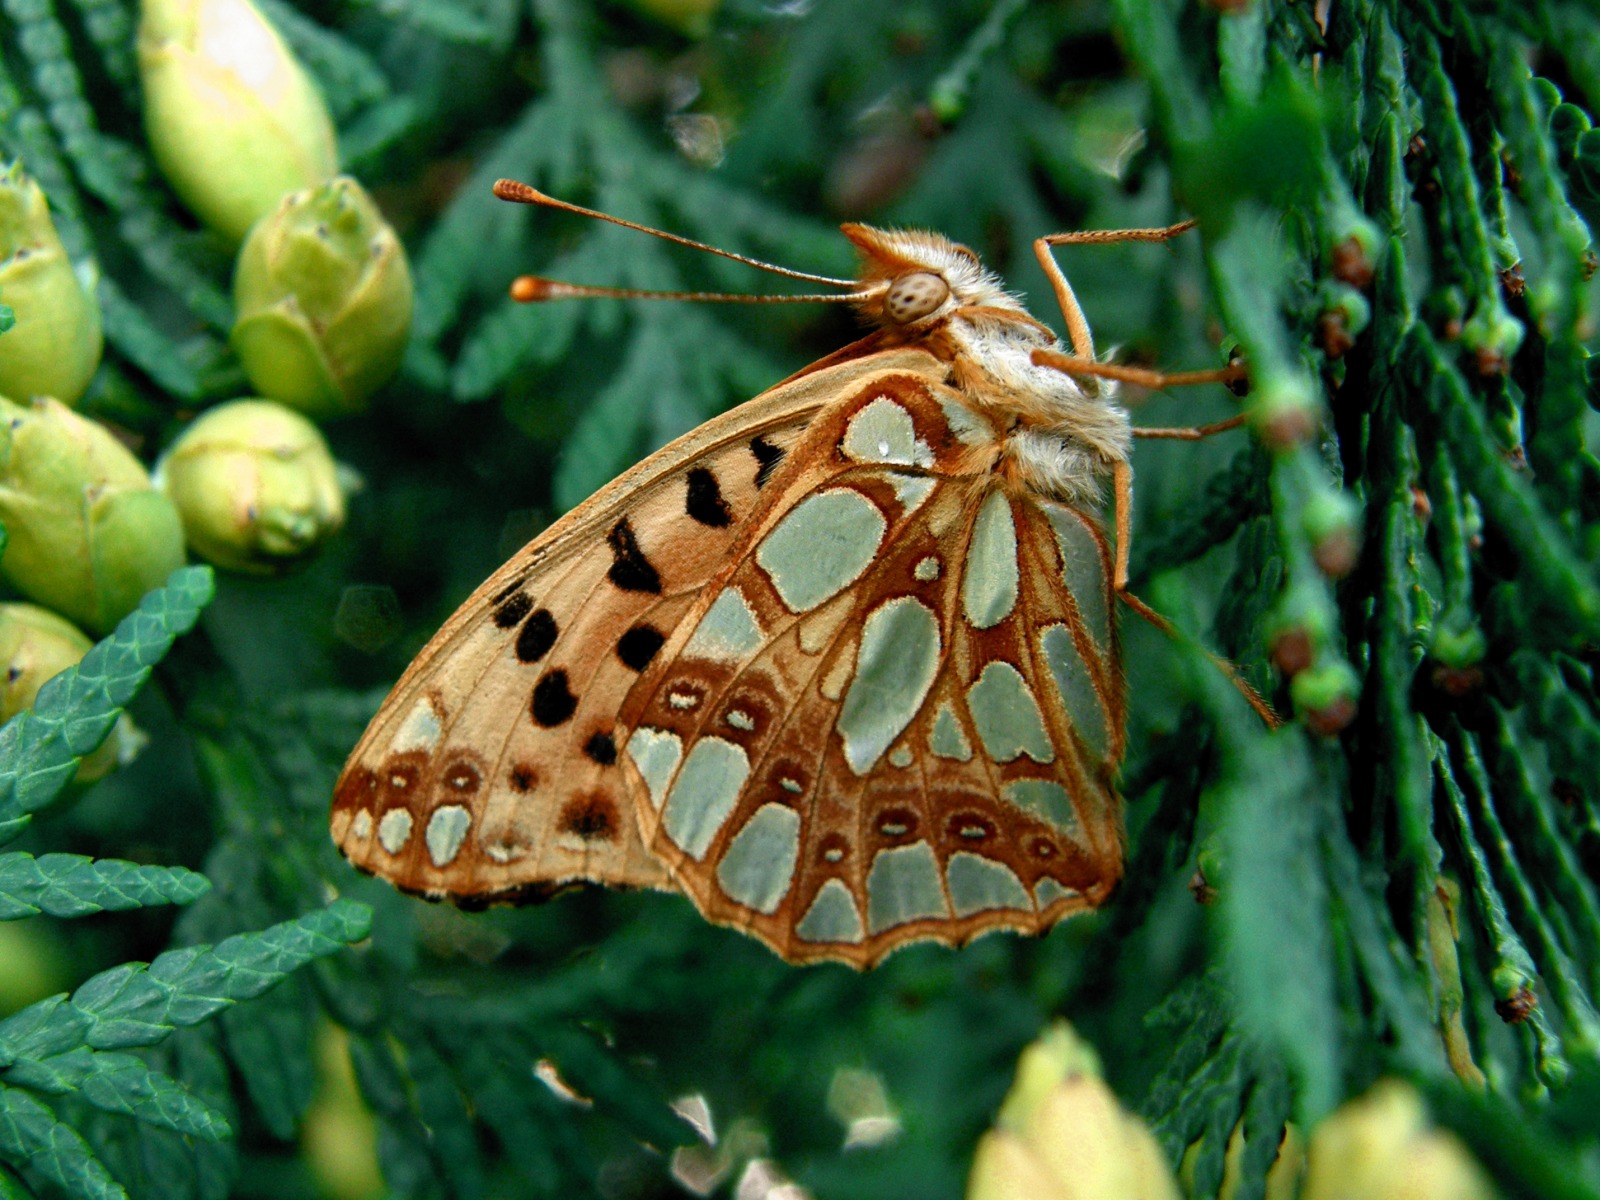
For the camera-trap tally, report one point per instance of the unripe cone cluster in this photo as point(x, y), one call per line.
point(322, 290)
point(88, 535)
point(256, 486)
point(54, 347)
point(324, 295)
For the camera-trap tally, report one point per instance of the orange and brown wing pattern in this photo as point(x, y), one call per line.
point(491, 771)
point(896, 715)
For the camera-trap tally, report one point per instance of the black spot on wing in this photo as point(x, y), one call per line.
point(512, 609)
point(768, 457)
point(537, 635)
point(553, 701)
point(704, 501)
point(592, 818)
point(601, 748)
point(504, 593)
point(639, 645)
point(630, 569)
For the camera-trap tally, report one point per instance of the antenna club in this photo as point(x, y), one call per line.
point(529, 289)
point(511, 189)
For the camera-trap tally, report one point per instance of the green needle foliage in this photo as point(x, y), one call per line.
point(1395, 201)
point(73, 1049)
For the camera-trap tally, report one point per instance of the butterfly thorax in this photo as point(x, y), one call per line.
point(1058, 438)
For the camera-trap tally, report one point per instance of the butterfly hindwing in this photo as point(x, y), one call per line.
point(889, 718)
point(492, 770)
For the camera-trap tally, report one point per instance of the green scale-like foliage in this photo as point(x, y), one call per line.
point(1394, 200)
point(74, 1048)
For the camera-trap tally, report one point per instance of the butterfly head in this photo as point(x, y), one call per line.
point(912, 279)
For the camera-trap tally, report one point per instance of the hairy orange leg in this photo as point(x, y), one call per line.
point(1077, 364)
point(1071, 311)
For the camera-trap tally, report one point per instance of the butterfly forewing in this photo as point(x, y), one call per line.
point(491, 771)
point(888, 718)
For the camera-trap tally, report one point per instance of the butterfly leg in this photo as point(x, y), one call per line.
point(1191, 433)
point(1081, 362)
point(1122, 507)
point(1071, 311)
point(1073, 364)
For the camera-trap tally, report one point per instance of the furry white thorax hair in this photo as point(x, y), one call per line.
point(1062, 434)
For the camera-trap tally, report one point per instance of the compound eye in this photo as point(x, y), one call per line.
point(914, 296)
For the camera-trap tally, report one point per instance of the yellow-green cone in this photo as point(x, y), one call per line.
point(35, 646)
point(339, 1135)
point(1061, 1135)
point(323, 296)
point(233, 119)
point(255, 485)
point(54, 347)
point(1381, 1147)
point(87, 534)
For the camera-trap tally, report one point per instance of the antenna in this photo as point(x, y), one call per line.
point(533, 288)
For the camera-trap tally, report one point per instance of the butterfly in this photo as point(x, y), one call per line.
point(840, 665)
